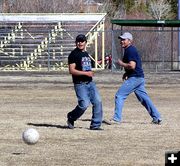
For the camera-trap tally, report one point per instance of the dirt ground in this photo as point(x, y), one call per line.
point(42, 100)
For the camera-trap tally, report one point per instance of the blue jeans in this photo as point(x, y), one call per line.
point(87, 93)
point(136, 85)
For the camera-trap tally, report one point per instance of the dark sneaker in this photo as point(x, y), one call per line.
point(158, 122)
point(70, 124)
point(96, 128)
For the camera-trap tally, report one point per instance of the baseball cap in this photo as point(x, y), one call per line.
point(81, 38)
point(126, 35)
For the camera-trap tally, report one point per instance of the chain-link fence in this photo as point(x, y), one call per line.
point(158, 48)
point(46, 46)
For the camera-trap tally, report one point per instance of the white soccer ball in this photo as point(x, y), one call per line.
point(30, 136)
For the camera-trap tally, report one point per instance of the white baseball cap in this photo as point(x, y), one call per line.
point(126, 35)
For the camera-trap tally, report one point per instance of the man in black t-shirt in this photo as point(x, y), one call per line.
point(80, 67)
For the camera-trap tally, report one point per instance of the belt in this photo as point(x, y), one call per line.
point(83, 82)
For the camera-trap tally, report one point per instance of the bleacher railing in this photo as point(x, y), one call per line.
point(45, 45)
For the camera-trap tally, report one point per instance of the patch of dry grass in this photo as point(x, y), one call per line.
point(42, 102)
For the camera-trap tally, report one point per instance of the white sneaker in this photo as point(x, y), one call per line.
point(111, 122)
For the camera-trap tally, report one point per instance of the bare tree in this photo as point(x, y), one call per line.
point(159, 9)
point(41, 6)
point(113, 9)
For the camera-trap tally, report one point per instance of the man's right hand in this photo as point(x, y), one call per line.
point(125, 77)
point(89, 73)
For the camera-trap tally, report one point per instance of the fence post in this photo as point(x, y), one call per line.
point(49, 35)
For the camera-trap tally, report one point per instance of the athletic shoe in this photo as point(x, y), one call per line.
point(70, 124)
point(111, 122)
point(158, 122)
point(96, 128)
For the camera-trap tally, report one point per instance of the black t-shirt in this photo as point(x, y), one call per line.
point(83, 63)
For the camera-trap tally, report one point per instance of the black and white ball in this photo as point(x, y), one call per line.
point(30, 136)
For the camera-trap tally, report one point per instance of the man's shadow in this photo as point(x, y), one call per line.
point(48, 125)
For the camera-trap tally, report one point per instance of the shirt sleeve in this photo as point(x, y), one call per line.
point(132, 55)
point(71, 58)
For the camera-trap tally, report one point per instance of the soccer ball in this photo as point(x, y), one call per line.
point(30, 136)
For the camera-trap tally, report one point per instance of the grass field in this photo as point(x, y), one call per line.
point(41, 101)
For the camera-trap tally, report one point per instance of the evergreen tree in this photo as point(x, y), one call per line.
point(174, 7)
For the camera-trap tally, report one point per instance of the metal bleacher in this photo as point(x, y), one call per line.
point(38, 42)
